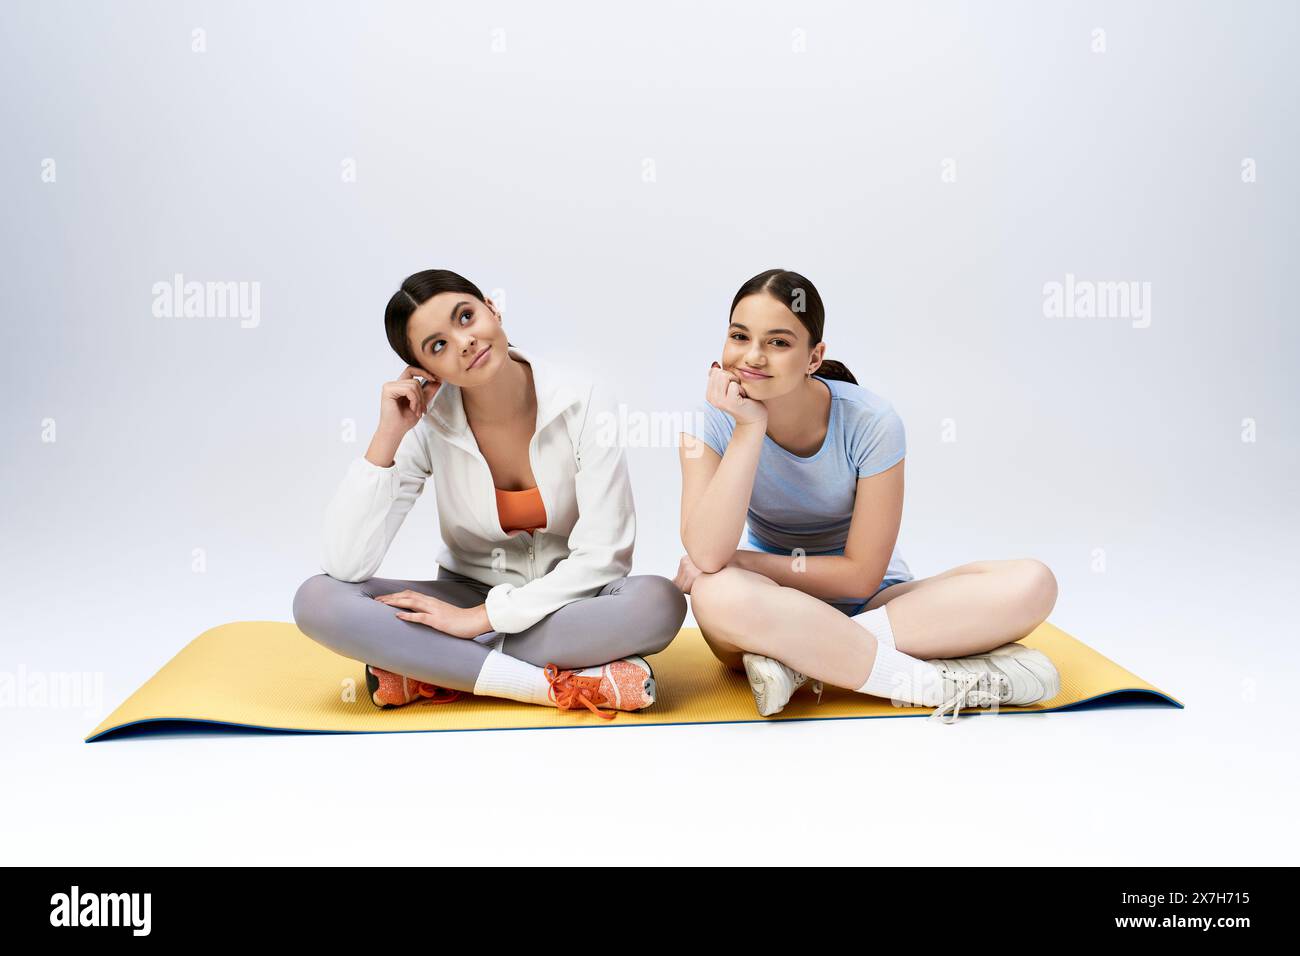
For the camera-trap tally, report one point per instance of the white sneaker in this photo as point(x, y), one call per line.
point(773, 683)
point(1012, 674)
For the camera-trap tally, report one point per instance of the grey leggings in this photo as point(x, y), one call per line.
point(640, 614)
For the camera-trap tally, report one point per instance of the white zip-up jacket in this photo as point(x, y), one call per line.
point(581, 474)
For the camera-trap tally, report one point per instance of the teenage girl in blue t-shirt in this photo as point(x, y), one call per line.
point(820, 592)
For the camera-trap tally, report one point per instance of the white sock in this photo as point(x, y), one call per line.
point(904, 680)
point(898, 676)
point(513, 679)
point(877, 622)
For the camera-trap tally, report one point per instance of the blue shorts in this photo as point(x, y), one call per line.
point(856, 607)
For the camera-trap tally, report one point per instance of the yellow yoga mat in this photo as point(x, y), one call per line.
point(269, 675)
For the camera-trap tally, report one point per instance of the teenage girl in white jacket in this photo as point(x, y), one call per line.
point(790, 442)
point(532, 601)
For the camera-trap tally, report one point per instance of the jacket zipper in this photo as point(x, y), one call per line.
point(532, 541)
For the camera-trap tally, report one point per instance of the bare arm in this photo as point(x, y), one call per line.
point(716, 489)
point(381, 486)
point(715, 494)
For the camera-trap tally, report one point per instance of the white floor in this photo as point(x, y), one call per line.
point(1215, 783)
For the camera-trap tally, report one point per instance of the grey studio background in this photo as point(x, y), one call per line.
point(614, 174)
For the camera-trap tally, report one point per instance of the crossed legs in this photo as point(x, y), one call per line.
point(633, 615)
point(966, 610)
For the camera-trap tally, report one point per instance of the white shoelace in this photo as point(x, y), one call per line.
point(801, 679)
point(964, 687)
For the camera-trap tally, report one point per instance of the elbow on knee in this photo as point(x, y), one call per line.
point(707, 563)
point(710, 565)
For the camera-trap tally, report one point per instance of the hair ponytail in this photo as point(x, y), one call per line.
point(835, 371)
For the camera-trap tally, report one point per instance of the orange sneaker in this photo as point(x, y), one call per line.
point(393, 690)
point(628, 684)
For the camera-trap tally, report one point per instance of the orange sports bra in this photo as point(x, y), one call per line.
point(521, 510)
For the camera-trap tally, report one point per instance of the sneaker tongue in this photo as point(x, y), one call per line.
point(988, 687)
point(996, 688)
point(1003, 686)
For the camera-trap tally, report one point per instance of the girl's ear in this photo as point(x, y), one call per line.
point(815, 360)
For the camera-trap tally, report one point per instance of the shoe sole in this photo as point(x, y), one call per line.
point(762, 679)
point(372, 685)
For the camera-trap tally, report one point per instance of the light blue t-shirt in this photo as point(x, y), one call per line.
point(808, 502)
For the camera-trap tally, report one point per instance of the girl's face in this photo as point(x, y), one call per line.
point(767, 346)
point(458, 339)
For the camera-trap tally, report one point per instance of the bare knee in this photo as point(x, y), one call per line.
point(719, 595)
point(1037, 588)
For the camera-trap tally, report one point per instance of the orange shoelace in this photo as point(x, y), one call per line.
point(568, 690)
point(410, 689)
point(436, 694)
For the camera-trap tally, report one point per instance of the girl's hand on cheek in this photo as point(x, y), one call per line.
point(727, 392)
